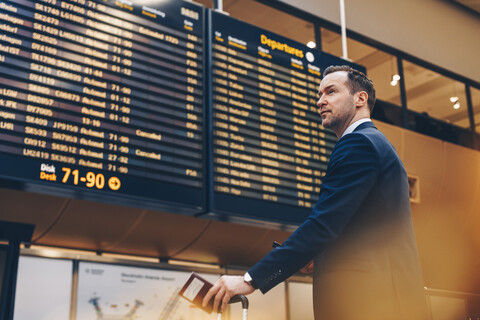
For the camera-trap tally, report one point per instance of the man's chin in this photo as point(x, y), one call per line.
point(330, 125)
point(326, 124)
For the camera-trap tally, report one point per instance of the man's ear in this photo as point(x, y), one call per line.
point(361, 99)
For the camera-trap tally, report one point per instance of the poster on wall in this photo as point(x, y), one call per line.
point(107, 292)
point(43, 289)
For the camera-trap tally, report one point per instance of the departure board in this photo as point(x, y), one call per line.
point(104, 99)
point(269, 148)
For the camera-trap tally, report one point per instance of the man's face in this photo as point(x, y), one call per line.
point(336, 104)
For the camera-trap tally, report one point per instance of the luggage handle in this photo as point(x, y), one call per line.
point(243, 300)
point(240, 298)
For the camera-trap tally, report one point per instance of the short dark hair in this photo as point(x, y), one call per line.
point(357, 81)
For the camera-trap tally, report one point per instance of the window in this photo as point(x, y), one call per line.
point(331, 42)
point(431, 94)
point(476, 107)
point(381, 66)
point(475, 94)
point(437, 105)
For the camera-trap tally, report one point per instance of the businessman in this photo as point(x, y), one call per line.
point(360, 233)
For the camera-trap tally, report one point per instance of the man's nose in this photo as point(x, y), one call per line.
point(321, 103)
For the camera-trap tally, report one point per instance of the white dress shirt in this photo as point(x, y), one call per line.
point(354, 125)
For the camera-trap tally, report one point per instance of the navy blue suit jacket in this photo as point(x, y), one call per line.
point(360, 235)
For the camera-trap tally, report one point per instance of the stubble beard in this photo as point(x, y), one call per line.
point(337, 122)
point(333, 122)
point(329, 124)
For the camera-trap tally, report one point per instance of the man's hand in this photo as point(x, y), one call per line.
point(308, 268)
point(224, 289)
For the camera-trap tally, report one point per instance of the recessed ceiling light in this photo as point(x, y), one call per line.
point(395, 79)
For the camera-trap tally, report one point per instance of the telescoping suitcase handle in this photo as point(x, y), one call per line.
point(244, 301)
point(242, 298)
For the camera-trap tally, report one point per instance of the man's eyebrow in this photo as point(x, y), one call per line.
point(320, 93)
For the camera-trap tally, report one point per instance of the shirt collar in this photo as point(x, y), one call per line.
point(354, 125)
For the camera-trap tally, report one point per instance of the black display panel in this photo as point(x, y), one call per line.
point(104, 100)
point(269, 150)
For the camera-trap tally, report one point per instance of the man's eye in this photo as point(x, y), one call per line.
point(331, 91)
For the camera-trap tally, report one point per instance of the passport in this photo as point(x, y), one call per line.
point(195, 289)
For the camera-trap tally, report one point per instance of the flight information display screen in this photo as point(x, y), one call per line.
point(269, 148)
point(104, 99)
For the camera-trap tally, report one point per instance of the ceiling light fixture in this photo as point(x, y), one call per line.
point(395, 79)
point(456, 102)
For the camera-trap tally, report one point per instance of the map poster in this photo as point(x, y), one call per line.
point(112, 292)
